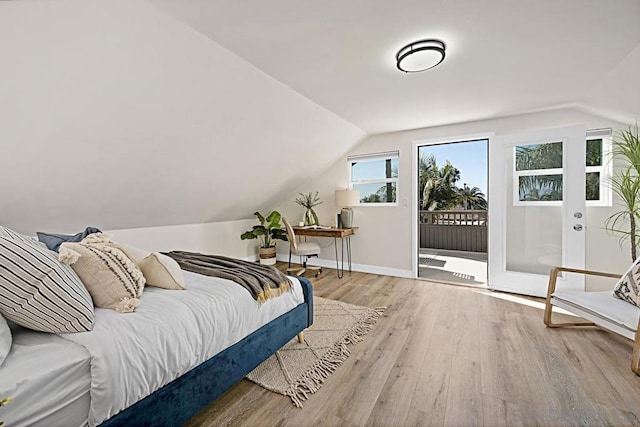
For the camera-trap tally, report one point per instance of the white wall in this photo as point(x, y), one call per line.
point(221, 238)
point(116, 114)
point(385, 235)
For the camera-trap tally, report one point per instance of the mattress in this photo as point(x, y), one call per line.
point(48, 378)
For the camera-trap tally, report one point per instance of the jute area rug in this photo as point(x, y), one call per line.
point(298, 370)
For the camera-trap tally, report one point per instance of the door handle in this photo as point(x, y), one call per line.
point(577, 227)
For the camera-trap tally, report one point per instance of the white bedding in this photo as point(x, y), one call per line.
point(134, 354)
point(49, 380)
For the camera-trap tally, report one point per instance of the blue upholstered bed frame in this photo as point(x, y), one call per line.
point(175, 403)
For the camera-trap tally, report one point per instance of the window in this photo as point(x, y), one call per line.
point(376, 176)
point(598, 167)
point(538, 171)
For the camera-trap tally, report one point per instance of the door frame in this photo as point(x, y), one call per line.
point(414, 184)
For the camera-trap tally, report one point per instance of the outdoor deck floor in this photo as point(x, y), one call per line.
point(458, 267)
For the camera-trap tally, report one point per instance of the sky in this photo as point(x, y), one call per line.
point(469, 157)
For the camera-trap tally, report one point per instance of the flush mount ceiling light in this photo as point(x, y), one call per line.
point(420, 55)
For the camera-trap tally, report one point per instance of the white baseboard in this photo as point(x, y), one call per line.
point(363, 268)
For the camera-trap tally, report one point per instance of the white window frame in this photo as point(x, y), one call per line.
point(533, 172)
point(389, 155)
point(605, 171)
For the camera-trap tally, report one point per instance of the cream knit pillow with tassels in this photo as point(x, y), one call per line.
point(112, 279)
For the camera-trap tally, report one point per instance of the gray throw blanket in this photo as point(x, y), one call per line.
point(262, 281)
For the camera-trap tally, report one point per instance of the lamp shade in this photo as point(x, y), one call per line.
point(347, 198)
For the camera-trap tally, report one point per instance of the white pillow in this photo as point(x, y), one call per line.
point(135, 254)
point(10, 234)
point(112, 279)
point(162, 271)
point(5, 339)
point(628, 287)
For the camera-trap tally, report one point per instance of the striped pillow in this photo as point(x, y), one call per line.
point(40, 293)
point(10, 234)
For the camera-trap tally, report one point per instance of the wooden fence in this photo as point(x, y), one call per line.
point(454, 230)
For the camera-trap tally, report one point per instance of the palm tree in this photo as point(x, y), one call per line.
point(472, 198)
point(426, 167)
point(438, 183)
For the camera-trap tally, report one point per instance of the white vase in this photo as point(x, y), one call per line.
point(310, 217)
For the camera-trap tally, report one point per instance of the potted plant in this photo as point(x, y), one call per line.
point(267, 233)
point(626, 184)
point(309, 201)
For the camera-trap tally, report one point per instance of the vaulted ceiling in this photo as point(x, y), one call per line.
point(131, 113)
point(504, 57)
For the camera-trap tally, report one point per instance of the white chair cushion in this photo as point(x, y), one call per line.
point(604, 305)
point(306, 248)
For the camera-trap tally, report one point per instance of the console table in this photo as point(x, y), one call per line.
point(335, 233)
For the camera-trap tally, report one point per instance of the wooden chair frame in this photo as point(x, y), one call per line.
point(548, 310)
point(293, 244)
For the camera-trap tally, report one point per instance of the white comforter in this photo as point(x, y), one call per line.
point(134, 354)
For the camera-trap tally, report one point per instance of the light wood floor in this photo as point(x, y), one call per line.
point(450, 355)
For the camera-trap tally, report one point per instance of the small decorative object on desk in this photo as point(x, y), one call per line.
point(309, 201)
point(346, 199)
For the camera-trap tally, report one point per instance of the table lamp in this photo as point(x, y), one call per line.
point(345, 199)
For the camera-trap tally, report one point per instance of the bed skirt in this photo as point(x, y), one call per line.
point(175, 403)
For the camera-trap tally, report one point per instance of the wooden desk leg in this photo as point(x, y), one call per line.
point(301, 338)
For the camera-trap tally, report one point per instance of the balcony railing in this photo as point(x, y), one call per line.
point(454, 230)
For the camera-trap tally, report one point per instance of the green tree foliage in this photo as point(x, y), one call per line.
point(472, 198)
point(438, 189)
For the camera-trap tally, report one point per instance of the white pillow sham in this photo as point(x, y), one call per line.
point(162, 271)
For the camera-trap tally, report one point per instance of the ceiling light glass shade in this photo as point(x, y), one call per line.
point(420, 56)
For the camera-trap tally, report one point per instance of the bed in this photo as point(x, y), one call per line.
point(159, 365)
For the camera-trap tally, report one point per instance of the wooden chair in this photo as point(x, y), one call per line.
point(304, 250)
point(598, 308)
